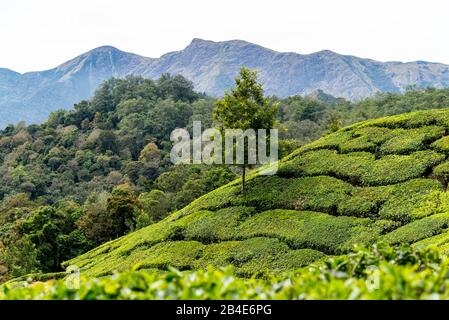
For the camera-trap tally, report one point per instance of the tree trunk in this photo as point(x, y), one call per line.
point(244, 179)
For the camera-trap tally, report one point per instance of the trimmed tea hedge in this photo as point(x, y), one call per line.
point(379, 273)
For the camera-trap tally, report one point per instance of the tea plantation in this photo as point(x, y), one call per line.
point(380, 272)
point(382, 180)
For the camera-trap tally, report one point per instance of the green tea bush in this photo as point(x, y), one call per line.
point(362, 168)
point(256, 256)
point(332, 141)
point(397, 134)
point(110, 254)
point(256, 249)
point(212, 226)
point(407, 200)
point(401, 202)
point(365, 202)
point(442, 145)
point(439, 242)
point(366, 139)
point(321, 193)
point(382, 272)
point(250, 256)
point(397, 168)
point(358, 262)
point(179, 254)
point(419, 229)
point(441, 172)
point(305, 229)
point(290, 260)
point(411, 120)
point(436, 202)
point(219, 198)
point(325, 162)
point(405, 141)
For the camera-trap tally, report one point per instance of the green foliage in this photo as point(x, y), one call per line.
point(402, 202)
point(441, 172)
point(122, 207)
point(365, 139)
point(287, 146)
point(382, 272)
point(210, 226)
point(211, 238)
point(417, 118)
point(155, 206)
point(333, 123)
point(319, 193)
point(245, 108)
point(251, 256)
point(408, 200)
point(365, 202)
point(441, 145)
point(179, 254)
point(95, 222)
point(331, 141)
point(303, 229)
point(418, 230)
point(19, 258)
point(53, 232)
point(439, 242)
point(307, 119)
point(108, 216)
point(405, 141)
point(114, 138)
point(185, 183)
point(362, 168)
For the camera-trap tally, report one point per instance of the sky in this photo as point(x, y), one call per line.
point(38, 35)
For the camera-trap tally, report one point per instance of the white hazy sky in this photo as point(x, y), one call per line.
point(37, 35)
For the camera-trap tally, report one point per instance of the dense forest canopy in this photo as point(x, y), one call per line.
point(101, 170)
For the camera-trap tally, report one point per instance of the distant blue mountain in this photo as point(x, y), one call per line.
point(212, 67)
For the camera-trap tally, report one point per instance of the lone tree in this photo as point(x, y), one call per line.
point(245, 107)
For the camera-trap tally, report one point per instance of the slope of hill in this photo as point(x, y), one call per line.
point(378, 180)
point(212, 67)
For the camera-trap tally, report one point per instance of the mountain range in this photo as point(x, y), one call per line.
point(211, 66)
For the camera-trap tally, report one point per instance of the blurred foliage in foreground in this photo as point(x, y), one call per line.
point(381, 272)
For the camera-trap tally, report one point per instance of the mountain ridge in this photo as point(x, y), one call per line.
point(211, 66)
